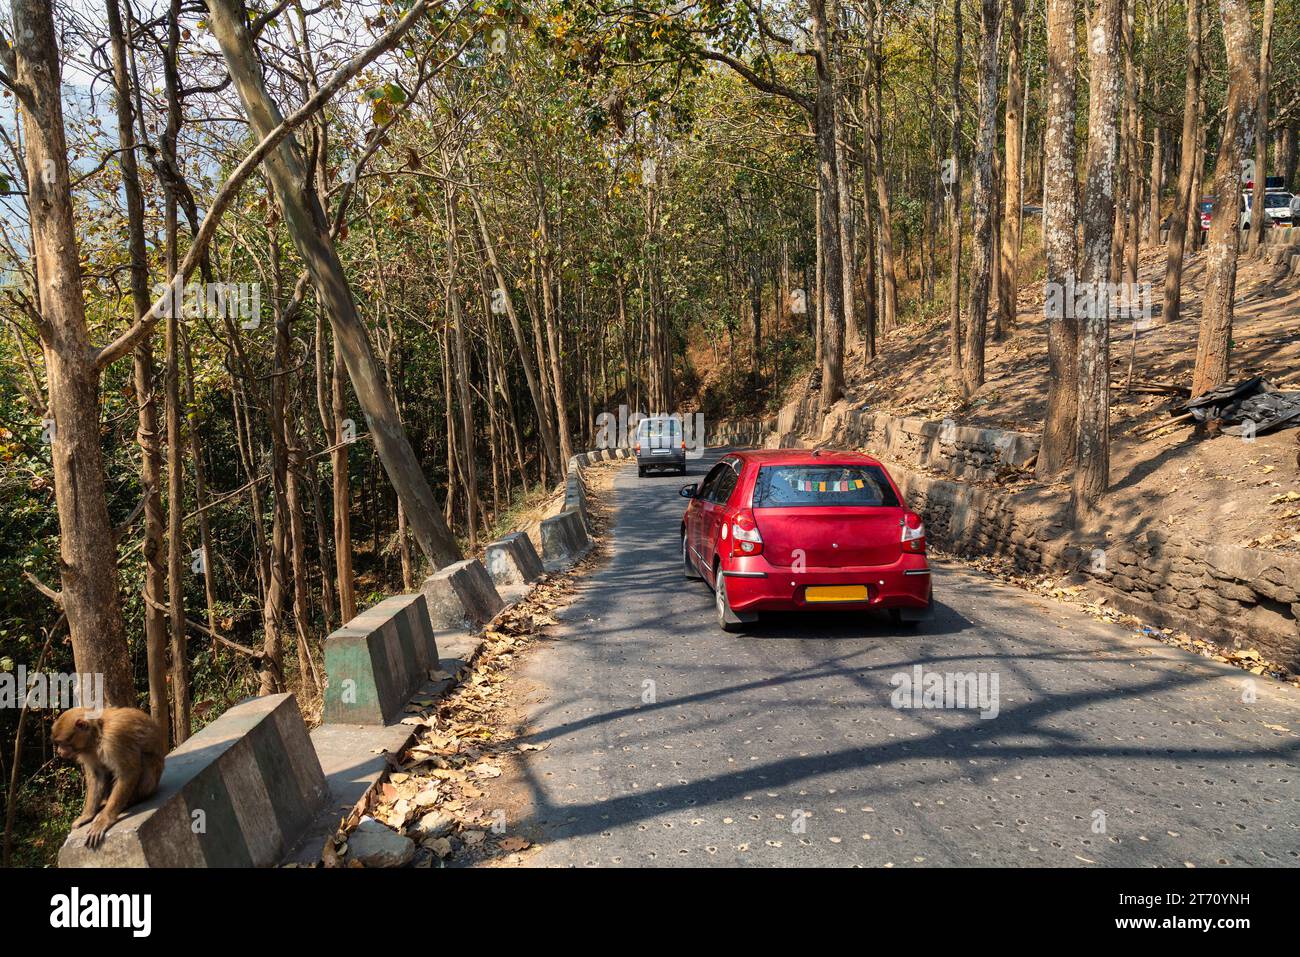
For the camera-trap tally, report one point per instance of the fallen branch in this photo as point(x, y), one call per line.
point(1147, 430)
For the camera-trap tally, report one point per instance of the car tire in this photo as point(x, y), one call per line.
point(688, 569)
point(911, 623)
point(896, 618)
point(640, 471)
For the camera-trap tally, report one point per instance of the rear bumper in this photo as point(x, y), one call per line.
point(673, 460)
point(754, 585)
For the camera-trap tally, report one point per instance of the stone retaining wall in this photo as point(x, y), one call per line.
point(1239, 596)
point(964, 452)
point(1282, 247)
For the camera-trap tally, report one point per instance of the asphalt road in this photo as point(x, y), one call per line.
point(670, 742)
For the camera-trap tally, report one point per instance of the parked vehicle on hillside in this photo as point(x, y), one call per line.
point(1281, 208)
point(660, 445)
point(792, 529)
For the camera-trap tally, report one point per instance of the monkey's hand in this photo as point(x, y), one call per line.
point(95, 836)
point(82, 820)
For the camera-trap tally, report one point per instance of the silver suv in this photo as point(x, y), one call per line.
point(660, 445)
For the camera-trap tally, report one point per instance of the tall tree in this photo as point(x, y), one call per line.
point(836, 319)
point(1189, 160)
point(983, 198)
point(1056, 453)
point(307, 224)
point(87, 542)
point(153, 589)
point(1213, 346)
point(1092, 471)
point(1258, 216)
point(1013, 169)
point(953, 177)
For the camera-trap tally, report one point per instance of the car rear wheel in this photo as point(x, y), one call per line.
point(912, 618)
point(728, 620)
point(687, 568)
point(640, 471)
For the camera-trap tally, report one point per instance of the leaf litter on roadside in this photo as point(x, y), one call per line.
point(1058, 588)
point(434, 792)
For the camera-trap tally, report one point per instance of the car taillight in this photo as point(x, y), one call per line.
point(913, 533)
point(638, 448)
point(683, 446)
point(745, 539)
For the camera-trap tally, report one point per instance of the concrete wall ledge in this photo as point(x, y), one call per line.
point(513, 560)
point(564, 538)
point(376, 661)
point(461, 594)
point(237, 794)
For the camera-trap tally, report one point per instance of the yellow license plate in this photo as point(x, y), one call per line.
point(835, 593)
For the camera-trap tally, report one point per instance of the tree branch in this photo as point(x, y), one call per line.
point(125, 342)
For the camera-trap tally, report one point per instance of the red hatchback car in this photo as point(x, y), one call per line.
point(787, 529)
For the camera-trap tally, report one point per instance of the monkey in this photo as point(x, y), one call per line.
point(121, 752)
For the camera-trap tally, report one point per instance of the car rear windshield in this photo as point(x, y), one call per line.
point(659, 427)
point(1277, 201)
point(787, 486)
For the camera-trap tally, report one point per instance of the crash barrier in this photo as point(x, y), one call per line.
point(237, 794)
point(566, 537)
point(513, 560)
point(461, 595)
point(376, 661)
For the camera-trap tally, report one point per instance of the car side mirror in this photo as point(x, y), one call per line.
point(687, 491)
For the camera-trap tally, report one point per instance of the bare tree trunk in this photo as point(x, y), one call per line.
point(885, 222)
point(982, 199)
point(1287, 154)
point(954, 202)
point(555, 362)
point(1183, 201)
point(342, 491)
point(1092, 474)
point(827, 176)
point(87, 544)
point(844, 211)
point(756, 325)
point(1259, 215)
point(469, 465)
point(288, 466)
point(1157, 184)
point(1213, 347)
point(1130, 176)
point(307, 225)
point(154, 591)
point(200, 487)
point(1013, 168)
point(176, 555)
